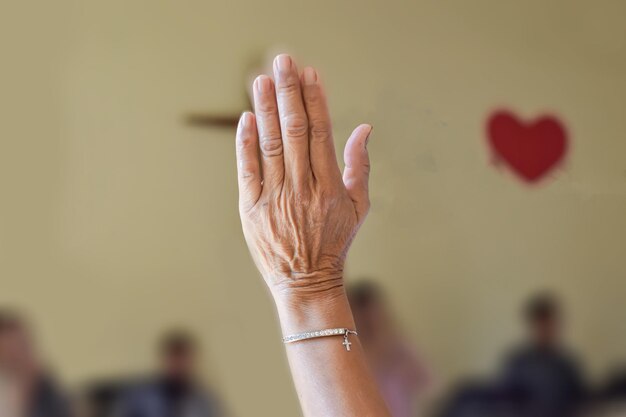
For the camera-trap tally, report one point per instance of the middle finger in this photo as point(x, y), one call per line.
point(293, 120)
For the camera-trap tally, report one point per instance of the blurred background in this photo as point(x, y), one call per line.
point(119, 221)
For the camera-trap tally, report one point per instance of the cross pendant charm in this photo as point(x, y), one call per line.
point(346, 343)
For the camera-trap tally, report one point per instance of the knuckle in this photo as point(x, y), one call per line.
point(248, 174)
point(267, 108)
point(313, 95)
point(296, 126)
point(367, 167)
point(271, 145)
point(300, 197)
point(288, 86)
point(320, 131)
point(245, 207)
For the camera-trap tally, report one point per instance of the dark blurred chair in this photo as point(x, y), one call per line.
point(100, 398)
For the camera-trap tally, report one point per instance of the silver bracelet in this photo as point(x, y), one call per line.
point(322, 333)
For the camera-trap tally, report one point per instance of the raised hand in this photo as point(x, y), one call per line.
point(299, 215)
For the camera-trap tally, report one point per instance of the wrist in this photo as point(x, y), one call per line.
point(302, 309)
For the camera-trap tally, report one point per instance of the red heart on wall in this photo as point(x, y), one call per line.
point(530, 149)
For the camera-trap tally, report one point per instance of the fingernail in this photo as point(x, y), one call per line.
point(245, 119)
point(367, 139)
point(283, 62)
point(310, 76)
point(263, 84)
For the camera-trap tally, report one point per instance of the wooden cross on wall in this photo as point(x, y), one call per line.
point(262, 64)
point(213, 120)
point(218, 120)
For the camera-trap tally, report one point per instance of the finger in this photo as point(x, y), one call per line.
point(268, 125)
point(357, 170)
point(293, 120)
point(321, 146)
point(248, 168)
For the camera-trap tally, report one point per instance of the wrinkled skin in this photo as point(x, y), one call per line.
point(299, 214)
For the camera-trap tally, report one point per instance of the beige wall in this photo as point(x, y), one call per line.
point(117, 220)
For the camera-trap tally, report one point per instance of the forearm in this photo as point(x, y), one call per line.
point(330, 380)
point(289, 181)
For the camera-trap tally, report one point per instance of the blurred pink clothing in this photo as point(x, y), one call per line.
point(403, 378)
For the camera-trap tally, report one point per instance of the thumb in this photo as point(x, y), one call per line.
point(357, 170)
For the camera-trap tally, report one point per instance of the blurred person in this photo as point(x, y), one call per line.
point(26, 388)
point(542, 377)
point(402, 376)
point(176, 391)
